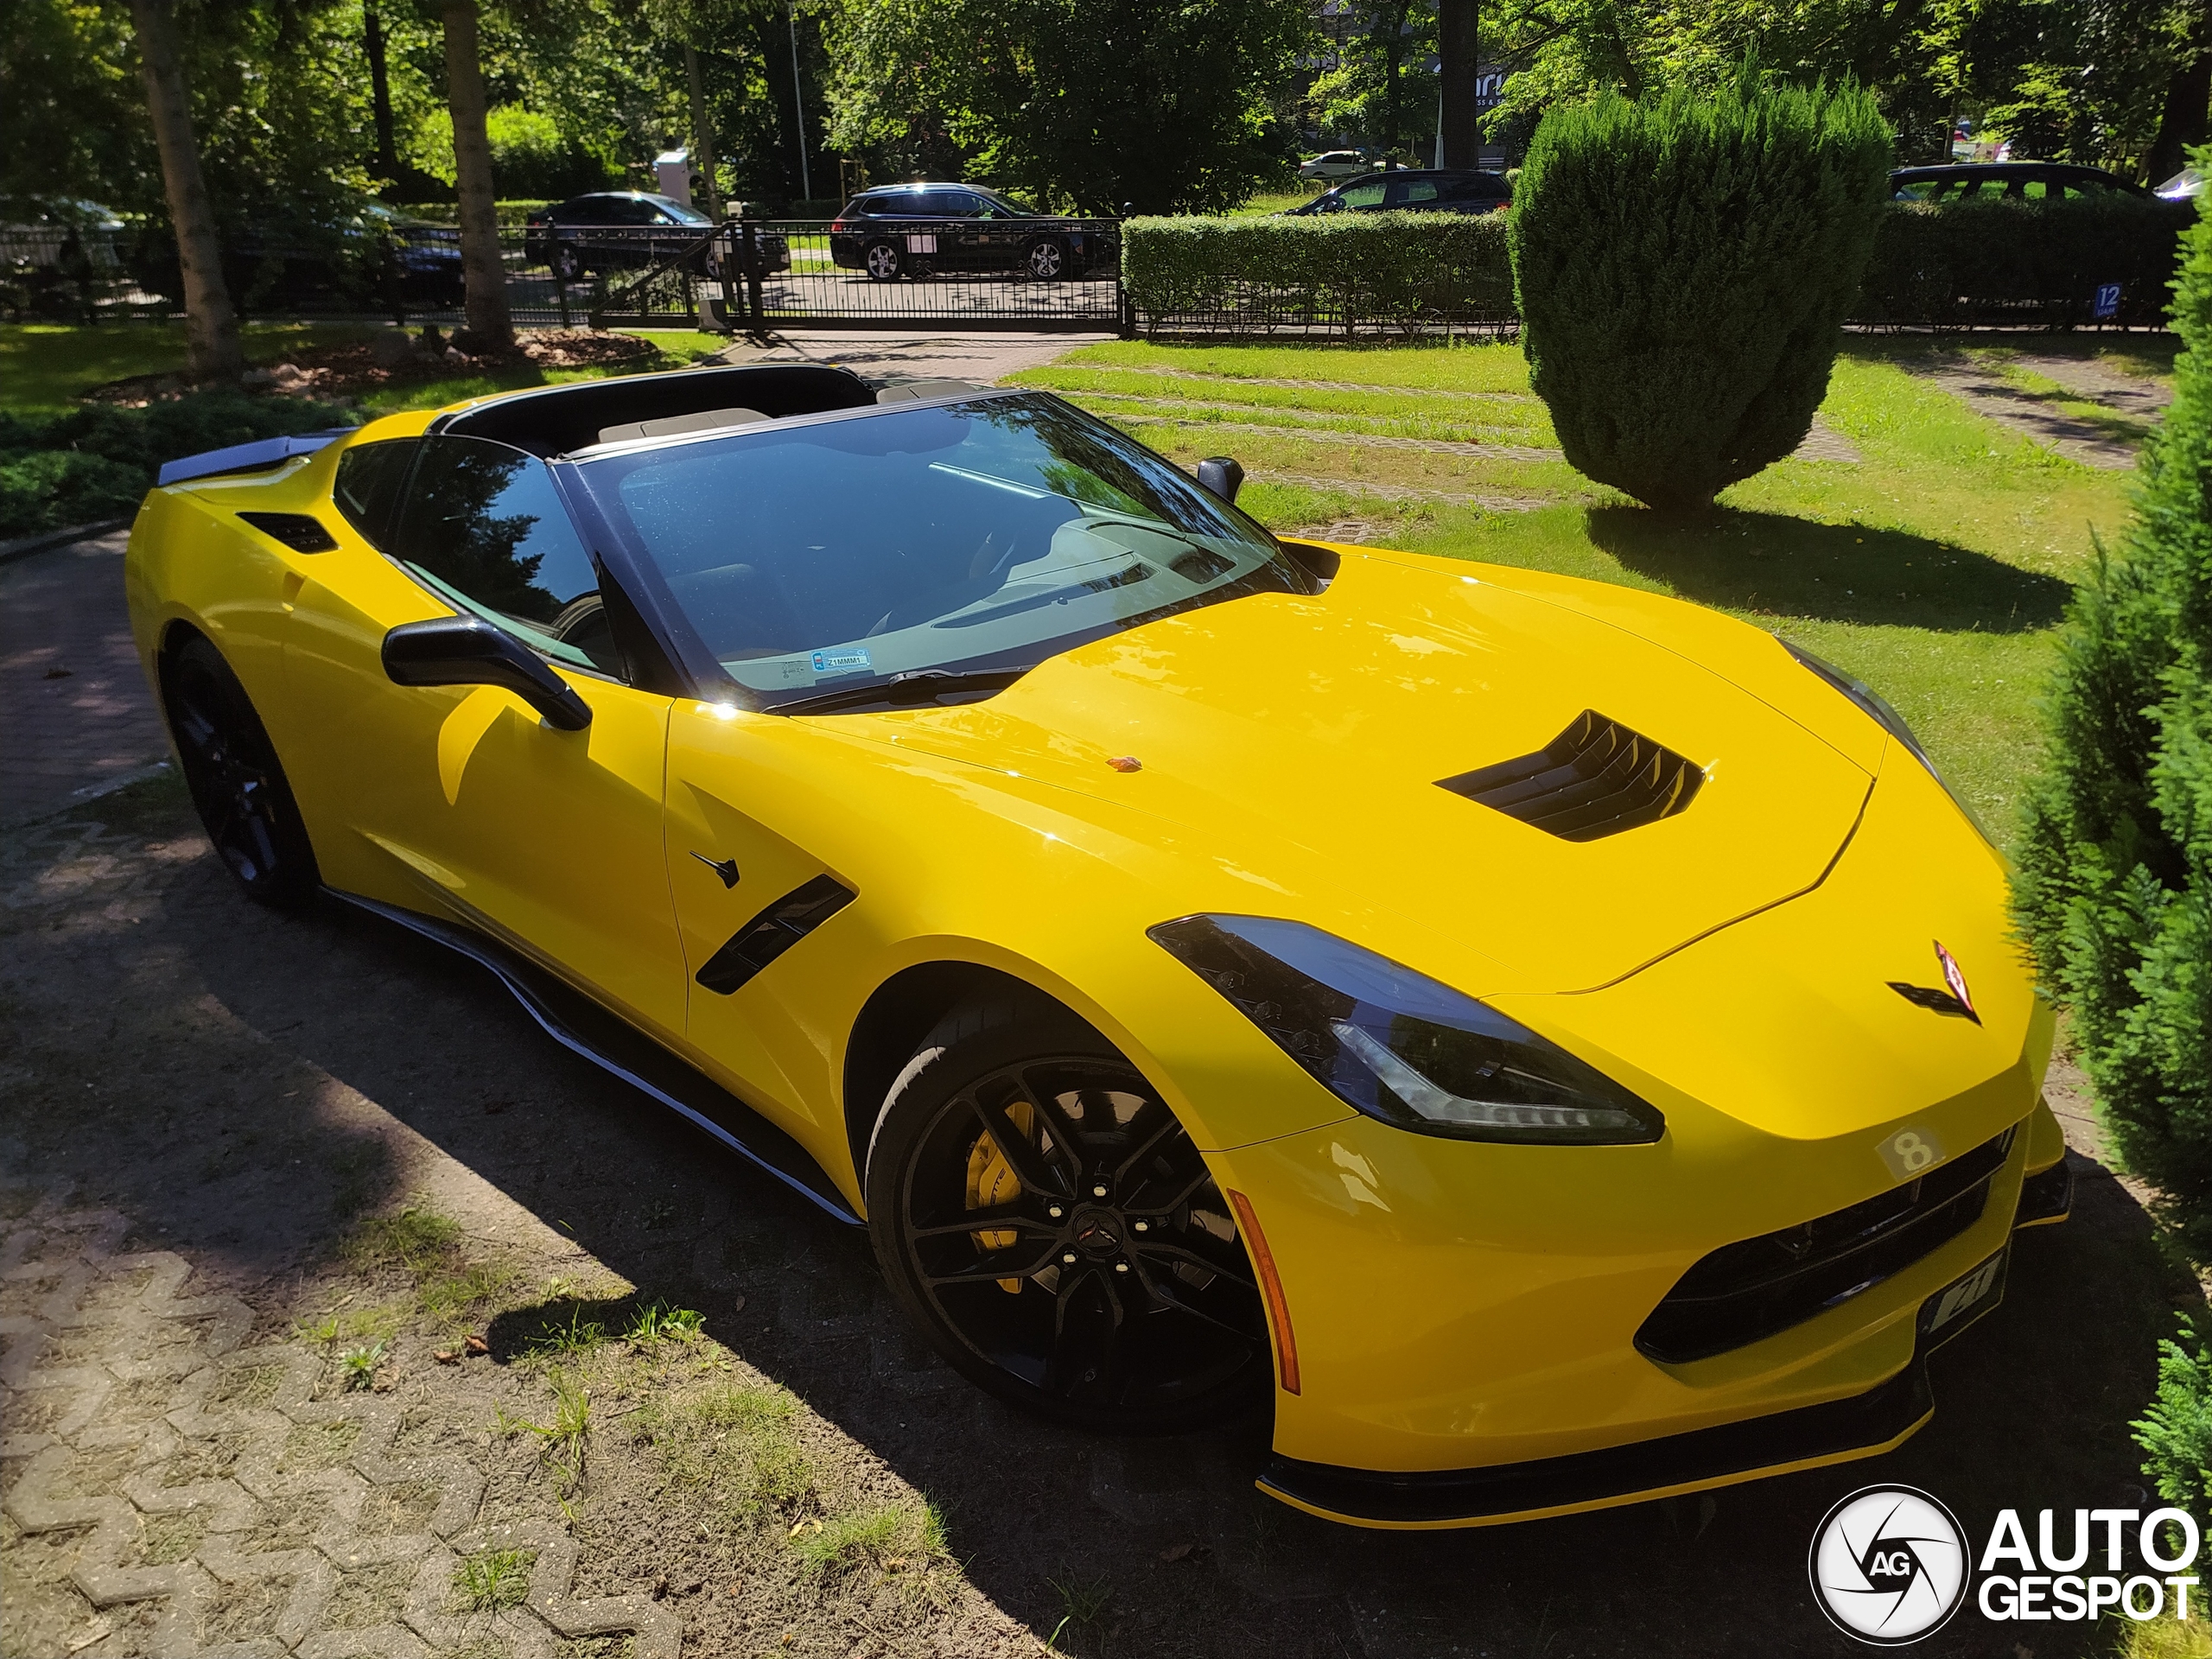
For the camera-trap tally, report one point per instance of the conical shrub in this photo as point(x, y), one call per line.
point(2113, 891)
point(1683, 266)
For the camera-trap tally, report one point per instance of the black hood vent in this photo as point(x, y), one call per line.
point(1595, 779)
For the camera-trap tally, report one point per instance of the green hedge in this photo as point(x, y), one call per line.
point(1400, 271)
point(512, 213)
point(1958, 263)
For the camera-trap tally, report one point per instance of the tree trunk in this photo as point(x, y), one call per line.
point(211, 327)
point(380, 95)
point(702, 137)
point(1460, 81)
point(2182, 123)
point(481, 268)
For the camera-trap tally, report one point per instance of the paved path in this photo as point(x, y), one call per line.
point(1983, 387)
point(982, 358)
point(74, 710)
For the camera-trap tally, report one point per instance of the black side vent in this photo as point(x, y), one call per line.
point(1595, 779)
point(773, 931)
point(298, 531)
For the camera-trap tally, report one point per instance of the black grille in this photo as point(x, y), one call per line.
point(773, 931)
point(1745, 1292)
point(299, 531)
point(1595, 779)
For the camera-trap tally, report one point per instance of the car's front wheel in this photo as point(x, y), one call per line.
point(1047, 259)
point(230, 769)
point(883, 261)
point(1041, 1212)
point(567, 263)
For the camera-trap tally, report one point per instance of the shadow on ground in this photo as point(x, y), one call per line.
point(1838, 573)
point(151, 1069)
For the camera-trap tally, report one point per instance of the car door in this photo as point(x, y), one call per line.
point(1416, 195)
point(462, 798)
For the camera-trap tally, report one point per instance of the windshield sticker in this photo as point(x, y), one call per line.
point(851, 660)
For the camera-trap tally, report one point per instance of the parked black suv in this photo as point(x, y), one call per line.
point(1987, 181)
point(628, 230)
point(910, 230)
point(1425, 190)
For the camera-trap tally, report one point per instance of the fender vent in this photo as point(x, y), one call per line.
point(1595, 779)
point(299, 531)
point(773, 931)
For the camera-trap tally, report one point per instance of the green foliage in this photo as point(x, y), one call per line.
point(97, 461)
point(359, 1366)
point(656, 1322)
point(2004, 260)
point(532, 156)
point(737, 1447)
point(1684, 266)
point(2113, 891)
point(412, 1238)
point(494, 1579)
point(1088, 103)
point(1390, 268)
point(896, 1537)
point(2176, 1431)
point(1376, 86)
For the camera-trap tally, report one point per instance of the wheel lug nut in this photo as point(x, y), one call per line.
point(1057, 1212)
point(1121, 1266)
point(1144, 1226)
point(1069, 1258)
point(1097, 1191)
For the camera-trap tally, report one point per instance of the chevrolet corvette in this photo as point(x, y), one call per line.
point(1554, 1044)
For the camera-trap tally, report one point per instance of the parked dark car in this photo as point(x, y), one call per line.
point(1424, 190)
point(2022, 180)
point(910, 230)
point(357, 256)
point(629, 230)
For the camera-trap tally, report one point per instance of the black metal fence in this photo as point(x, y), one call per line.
point(749, 275)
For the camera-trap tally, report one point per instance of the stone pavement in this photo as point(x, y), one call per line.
point(1983, 388)
point(76, 713)
point(983, 357)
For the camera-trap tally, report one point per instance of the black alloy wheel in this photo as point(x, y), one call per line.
point(883, 261)
point(1047, 259)
point(1039, 1209)
point(236, 784)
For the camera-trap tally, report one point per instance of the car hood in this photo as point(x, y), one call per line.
point(1300, 741)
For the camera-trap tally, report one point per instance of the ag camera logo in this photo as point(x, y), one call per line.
point(1889, 1565)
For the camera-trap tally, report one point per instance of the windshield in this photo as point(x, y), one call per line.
point(969, 537)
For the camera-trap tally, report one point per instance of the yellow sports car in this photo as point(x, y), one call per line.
point(1562, 1045)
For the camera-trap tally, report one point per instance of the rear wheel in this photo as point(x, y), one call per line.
point(1040, 1211)
point(567, 263)
point(883, 261)
point(1047, 259)
point(230, 769)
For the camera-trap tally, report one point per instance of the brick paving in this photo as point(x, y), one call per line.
point(74, 709)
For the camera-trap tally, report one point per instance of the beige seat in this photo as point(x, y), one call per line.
point(705, 420)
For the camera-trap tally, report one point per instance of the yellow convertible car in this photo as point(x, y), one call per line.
point(1559, 1044)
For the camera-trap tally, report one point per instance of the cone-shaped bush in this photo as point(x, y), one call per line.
point(2115, 888)
point(1683, 266)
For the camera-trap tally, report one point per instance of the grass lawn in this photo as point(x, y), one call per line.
point(1937, 566)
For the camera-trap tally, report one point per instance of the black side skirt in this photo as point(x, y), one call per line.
point(579, 1024)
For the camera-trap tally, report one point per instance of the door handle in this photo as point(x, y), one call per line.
point(726, 868)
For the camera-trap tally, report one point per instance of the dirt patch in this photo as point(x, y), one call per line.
point(335, 372)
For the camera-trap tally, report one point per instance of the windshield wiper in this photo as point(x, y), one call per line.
point(916, 685)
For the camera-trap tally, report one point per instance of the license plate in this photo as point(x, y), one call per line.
point(921, 244)
point(1951, 1309)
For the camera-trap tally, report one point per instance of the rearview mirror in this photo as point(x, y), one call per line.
point(468, 651)
point(1220, 476)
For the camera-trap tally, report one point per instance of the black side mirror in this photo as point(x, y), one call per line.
point(468, 651)
point(1222, 475)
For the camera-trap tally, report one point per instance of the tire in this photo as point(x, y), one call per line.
point(231, 771)
point(1136, 1312)
point(883, 261)
point(1046, 260)
point(567, 264)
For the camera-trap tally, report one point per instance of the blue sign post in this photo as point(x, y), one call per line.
point(2107, 305)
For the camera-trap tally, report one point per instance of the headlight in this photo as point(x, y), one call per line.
point(1398, 1045)
point(1875, 704)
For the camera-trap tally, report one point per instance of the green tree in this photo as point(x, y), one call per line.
point(2113, 891)
point(1378, 90)
point(1683, 266)
point(1091, 103)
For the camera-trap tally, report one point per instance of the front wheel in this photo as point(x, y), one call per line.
point(1048, 260)
point(230, 769)
point(567, 264)
point(1040, 1211)
point(883, 261)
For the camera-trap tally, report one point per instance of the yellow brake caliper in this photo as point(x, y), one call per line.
point(991, 1182)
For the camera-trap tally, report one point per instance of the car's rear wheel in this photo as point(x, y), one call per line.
point(567, 263)
point(1040, 1211)
point(1048, 259)
point(230, 769)
point(883, 261)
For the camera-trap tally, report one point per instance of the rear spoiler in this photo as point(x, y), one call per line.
point(255, 457)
